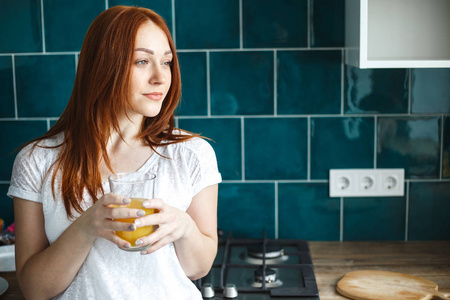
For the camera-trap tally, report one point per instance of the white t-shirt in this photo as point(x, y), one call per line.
point(108, 272)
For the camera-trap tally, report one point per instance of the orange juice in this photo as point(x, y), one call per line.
point(132, 236)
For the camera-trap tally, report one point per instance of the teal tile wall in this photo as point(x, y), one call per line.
point(266, 82)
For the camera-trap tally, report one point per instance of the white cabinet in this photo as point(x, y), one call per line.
point(397, 33)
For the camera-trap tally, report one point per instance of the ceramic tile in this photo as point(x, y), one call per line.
point(269, 154)
point(306, 212)
point(430, 91)
point(309, 82)
point(225, 135)
point(327, 23)
point(374, 219)
point(274, 23)
point(66, 23)
point(446, 149)
point(341, 142)
point(375, 90)
point(11, 140)
point(6, 88)
point(429, 204)
point(207, 24)
point(193, 81)
point(20, 23)
point(253, 203)
point(6, 206)
point(242, 83)
point(44, 84)
point(412, 143)
point(161, 7)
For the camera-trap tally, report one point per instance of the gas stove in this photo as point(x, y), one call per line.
point(248, 269)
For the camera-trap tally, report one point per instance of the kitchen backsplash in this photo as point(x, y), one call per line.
point(265, 80)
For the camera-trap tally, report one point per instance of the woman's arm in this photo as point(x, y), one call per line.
point(193, 233)
point(44, 270)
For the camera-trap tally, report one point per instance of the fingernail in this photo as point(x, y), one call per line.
point(146, 204)
point(127, 246)
point(140, 213)
point(126, 200)
point(143, 252)
point(132, 227)
point(137, 222)
point(138, 242)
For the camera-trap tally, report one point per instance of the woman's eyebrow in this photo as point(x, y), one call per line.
point(150, 51)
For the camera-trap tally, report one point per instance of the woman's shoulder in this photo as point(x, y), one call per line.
point(42, 149)
point(195, 144)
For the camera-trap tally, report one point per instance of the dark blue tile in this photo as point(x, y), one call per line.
point(21, 29)
point(306, 212)
point(66, 22)
point(430, 91)
point(161, 7)
point(247, 209)
point(446, 149)
point(412, 143)
point(241, 83)
point(309, 82)
point(44, 84)
point(374, 219)
point(327, 23)
point(275, 148)
point(274, 23)
point(207, 24)
point(6, 88)
point(14, 134)
point(375, 90)
point(193, 81)
point(429, 204)
point(338, 143)
point(6, 206)
point(226, 141)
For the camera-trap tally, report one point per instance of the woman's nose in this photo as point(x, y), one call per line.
point(158, 76)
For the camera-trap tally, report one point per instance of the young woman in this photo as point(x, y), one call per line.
point(120, 118)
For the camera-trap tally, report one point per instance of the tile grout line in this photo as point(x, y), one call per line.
point(208, 85)
point(308, 150)
point(375, 141)
point(309, 27)
point(341, 219)
point(13, 64)
point(242, 149)
point(441, 162)
point(407, 211)
point(173, 25)
point(44, 50)
point(342, 80)
point(275, 86)
point(106, 4)
point(276, 210)
point(409, 91)
point(48, 124)
point(241, 27)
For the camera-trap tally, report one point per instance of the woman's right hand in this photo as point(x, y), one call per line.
point(100, 219)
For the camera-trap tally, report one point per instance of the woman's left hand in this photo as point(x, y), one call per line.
point(172, 223)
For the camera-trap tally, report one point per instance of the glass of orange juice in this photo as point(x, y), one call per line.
point(138, 186)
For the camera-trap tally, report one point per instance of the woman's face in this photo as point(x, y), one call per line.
point(151, 74)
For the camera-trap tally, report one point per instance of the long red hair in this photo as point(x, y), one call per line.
point(100, 93)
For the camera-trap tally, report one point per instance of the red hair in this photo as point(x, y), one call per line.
point(100, 93)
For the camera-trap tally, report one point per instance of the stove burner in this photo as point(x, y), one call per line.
point(270, 278)
point(272, 251)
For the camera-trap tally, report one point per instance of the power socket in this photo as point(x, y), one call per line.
point(366, 182)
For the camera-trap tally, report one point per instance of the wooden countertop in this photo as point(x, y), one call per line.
point(430, 260)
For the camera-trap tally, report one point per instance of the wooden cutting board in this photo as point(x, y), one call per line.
point(375, 285)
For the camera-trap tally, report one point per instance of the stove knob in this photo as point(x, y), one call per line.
point(230, 291)
point(207, 291)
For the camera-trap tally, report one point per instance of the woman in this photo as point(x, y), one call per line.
point(120, 118)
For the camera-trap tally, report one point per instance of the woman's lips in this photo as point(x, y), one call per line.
point(154, 96)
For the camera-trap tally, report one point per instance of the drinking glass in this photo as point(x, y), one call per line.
point(137, 186)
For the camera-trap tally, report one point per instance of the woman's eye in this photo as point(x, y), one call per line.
point(141, 62)
point(168, 63)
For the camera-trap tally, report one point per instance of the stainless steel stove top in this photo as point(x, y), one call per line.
point(260, 269)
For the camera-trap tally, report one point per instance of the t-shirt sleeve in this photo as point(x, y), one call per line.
point(204, 170)
point(27, 174)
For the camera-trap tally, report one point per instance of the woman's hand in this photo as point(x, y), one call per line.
point(100, 219)
point(172, 223)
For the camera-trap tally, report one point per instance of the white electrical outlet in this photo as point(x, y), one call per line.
point(366, 182)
